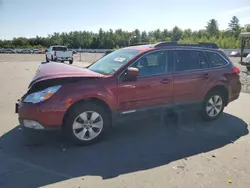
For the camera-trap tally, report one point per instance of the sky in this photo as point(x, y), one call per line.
point(29, 18)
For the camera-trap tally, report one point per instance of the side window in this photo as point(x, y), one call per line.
point(203, 62)
point(189, 60)
point(153, 63)
point(215, 59)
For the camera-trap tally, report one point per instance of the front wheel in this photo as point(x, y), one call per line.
point(47, 60)
point(248, 68)
point(86, 123)
point(70, 62)
point(213, 105)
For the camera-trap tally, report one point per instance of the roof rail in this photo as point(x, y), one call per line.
point(201, 44)
point(140, 43)
point(167, 43)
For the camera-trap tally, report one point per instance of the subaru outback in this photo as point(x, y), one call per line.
point(131, 82)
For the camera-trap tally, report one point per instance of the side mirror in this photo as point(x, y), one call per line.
point(46, 50)
point(131, 74)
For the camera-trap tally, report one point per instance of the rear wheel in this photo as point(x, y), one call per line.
point(70, 61)
point(213, 105)
point(248, 68)
point(86, 123)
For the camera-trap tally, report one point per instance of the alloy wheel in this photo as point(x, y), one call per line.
point(214, 105)
point(88, 125)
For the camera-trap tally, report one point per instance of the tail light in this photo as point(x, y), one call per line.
point(54, 53)
point(236, 70)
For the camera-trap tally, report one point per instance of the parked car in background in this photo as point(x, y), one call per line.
point(18, 50)
point(35, 51)
point(87, 102)
point(59, 53)
point(9, 51)
point(26, 51)
point(41, 51)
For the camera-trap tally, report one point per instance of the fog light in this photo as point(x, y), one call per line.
point(32, 124)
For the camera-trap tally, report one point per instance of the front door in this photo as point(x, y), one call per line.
point(153, 88)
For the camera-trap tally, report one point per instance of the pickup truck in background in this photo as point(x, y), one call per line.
point(59, 53)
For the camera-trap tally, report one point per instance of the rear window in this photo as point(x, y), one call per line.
point(215, 59)
point(59, 48)
point(189, 60)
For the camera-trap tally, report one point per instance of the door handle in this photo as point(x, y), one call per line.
point(165, 81)
point(206, 75)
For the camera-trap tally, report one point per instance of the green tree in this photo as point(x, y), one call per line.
point(120, 38)
point(176, 34)
point(212, 28)
point(144, 36)
point(234, 26)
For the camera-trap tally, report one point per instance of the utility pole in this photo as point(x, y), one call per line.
point(80, 50)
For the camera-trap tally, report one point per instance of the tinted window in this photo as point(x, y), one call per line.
point(153, 63)
point(215, 59)
point(59, 48)
point(189, 60)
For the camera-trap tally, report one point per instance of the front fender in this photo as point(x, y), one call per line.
point(73, 94)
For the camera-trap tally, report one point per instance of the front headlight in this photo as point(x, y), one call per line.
point(42, 95)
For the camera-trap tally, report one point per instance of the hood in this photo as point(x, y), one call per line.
point(53, 70)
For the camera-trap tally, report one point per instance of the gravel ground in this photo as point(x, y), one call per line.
point(244, 75)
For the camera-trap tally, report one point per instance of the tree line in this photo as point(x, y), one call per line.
point(110, 39)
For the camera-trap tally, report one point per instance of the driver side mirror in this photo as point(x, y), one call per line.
point(46, 50)
point(131, 74)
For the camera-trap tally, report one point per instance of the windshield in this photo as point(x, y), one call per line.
point(113, 61)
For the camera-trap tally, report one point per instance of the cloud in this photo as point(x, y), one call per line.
point(234, 11)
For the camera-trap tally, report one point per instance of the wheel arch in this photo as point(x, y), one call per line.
point(222, 89)
point(94, 100)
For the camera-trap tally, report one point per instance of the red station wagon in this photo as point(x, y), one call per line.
point(130, 82)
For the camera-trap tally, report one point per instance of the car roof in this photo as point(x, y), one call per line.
point(175, 45)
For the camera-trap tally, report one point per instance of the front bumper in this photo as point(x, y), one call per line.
point(40, 116)
point(32, 124)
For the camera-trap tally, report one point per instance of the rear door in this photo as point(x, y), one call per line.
point(191, 76)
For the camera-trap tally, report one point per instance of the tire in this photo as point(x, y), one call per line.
point(78, 123)
point(47, 60)
point(51, 59)
point(213, 111)
point(62, 61)
point(70, 62)
point(248, 68)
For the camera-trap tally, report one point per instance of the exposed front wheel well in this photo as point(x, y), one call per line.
point(96, 101)
point(223, 90)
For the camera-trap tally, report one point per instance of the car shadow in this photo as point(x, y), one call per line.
point(138, 145)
